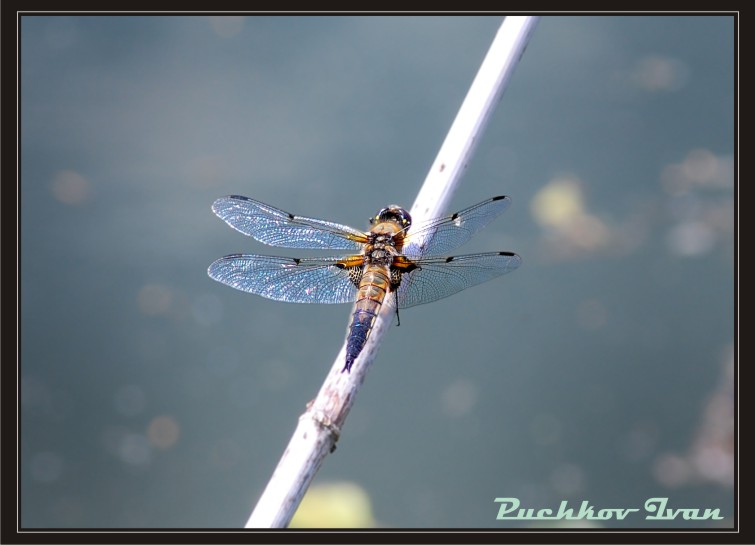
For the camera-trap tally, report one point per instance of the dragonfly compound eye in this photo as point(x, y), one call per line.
point(395, 214)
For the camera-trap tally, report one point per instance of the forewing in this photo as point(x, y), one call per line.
point(316, 280)
point(439, 235)
point(276, 227)
point(440, 277)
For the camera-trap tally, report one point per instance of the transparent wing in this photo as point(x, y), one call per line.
point(316, 280)
point(276, 227)
point(439, 277)
point(453, 230)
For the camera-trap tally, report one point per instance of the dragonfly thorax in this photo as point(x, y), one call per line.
point(381, 249)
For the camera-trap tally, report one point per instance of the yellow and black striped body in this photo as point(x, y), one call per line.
point(379, 274)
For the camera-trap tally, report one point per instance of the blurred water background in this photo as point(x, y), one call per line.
point(601, 370)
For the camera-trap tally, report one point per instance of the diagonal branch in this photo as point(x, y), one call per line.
point(319, 427)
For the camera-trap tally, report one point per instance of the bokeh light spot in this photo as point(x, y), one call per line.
point(163, 432)
point(335, 505)
point(671, 470)
point(70, 187)
point(558, 203)
point(134, 449)
point(657, 73)
point(155, 299)
point(691, 238)
point(559, 208)
point(700, 168)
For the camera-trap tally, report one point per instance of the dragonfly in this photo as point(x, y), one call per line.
point(394, 258)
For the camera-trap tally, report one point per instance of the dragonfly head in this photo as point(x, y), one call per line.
point(395, 214)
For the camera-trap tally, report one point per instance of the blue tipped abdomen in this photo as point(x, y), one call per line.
point(359, 330)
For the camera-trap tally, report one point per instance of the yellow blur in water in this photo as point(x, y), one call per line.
point(334, 505)
point(558, 204)
point(560, 209)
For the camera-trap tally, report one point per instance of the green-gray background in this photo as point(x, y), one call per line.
point(601, 370)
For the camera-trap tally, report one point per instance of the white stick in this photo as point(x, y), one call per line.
point(319, 427)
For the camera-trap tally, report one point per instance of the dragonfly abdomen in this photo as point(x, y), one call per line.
point(374, 285)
